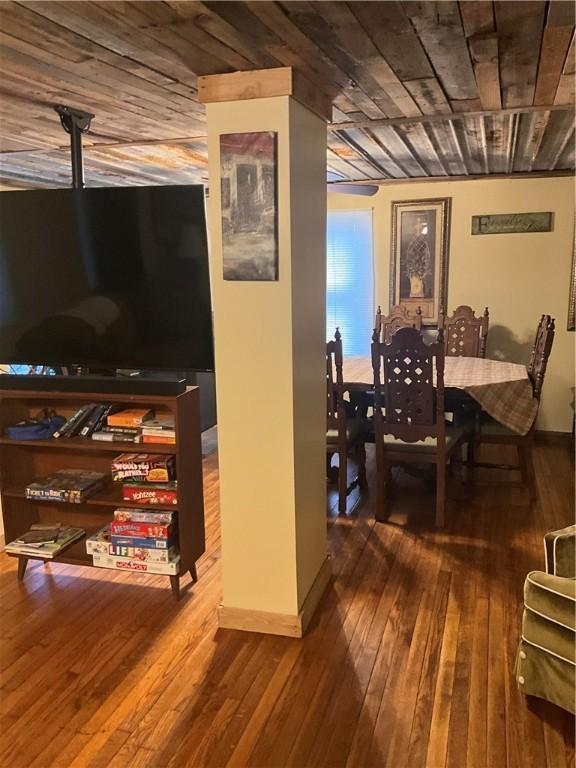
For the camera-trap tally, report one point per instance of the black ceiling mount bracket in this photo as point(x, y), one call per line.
point(75, 122)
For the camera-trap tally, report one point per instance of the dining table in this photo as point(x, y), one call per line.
point(502, 389)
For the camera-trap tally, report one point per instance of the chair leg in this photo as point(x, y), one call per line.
point(471, 458)
point(527, 468)
point(331, 472)
point(440, 493)
point(342, 481)
point(361, 453)
point(382, 481)
point(379, 495)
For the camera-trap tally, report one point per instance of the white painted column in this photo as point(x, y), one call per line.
point(270, 376)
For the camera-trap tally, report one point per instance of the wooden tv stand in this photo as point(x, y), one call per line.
point(21, 461)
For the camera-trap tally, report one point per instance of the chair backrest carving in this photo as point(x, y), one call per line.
point(335, 408)
point(404, 384)
point(464, 334)
point(398, 317)
point(540, 353)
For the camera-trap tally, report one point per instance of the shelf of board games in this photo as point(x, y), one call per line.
point(23, 461)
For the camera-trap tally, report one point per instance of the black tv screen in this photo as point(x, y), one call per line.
point(106, 278)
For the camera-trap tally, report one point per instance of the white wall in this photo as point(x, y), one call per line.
point(518, 276)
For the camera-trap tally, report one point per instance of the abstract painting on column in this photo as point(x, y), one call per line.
point(248, 185)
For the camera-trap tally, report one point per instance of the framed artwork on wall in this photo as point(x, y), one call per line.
point(248, 192)
point(419, 256)
point(507, 223)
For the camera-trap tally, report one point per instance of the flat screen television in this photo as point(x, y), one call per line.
point(106, 278)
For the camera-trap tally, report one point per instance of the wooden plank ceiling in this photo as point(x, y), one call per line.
point(420, 89)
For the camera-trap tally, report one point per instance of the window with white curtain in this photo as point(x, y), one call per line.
point(350, 279)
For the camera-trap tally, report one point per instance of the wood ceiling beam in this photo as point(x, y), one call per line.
point(446, 116)
point(264, 83)
point(471, 177)
point(103, 145)
point(399, 121)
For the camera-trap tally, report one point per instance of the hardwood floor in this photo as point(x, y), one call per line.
point(409, 661)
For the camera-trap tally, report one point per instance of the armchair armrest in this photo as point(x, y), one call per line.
point(560, 552)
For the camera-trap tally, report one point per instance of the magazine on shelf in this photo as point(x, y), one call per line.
point(39, 534)
point(48, 550)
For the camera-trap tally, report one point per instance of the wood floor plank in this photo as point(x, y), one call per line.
point(420, 733)
point(389, 610)
point(321, 739)
point(408, 662)
point(464, 589)
point(497, 672)
point(413, 625)
point(440, 715)
point(478, 696)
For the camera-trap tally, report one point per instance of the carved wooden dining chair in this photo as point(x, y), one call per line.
point(492, 432)
point(398, 317)
point(413, 427)
point(343, 433)
point(464, 334)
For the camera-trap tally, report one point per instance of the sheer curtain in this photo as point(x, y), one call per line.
point(350, 279)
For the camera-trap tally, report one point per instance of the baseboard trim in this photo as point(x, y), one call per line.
point(315, 593)
point(556, 438)
point(284, 624)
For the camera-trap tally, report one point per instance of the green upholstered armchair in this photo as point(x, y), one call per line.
point(546, 663)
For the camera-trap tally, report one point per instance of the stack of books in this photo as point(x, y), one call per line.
point(87, 420)
point(159, 430)
point(111, 423)
point(66, 485)
point(106, 421)
point(137, 540)
point(44, 540)
point(124, 425)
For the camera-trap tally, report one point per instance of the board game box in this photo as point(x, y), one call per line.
point(161, 493)
point(141, 566)
point(99, 542)
point(152, 530)
point(147, 554)
point(148, 467)
point(66, 485)
point(143, 516)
